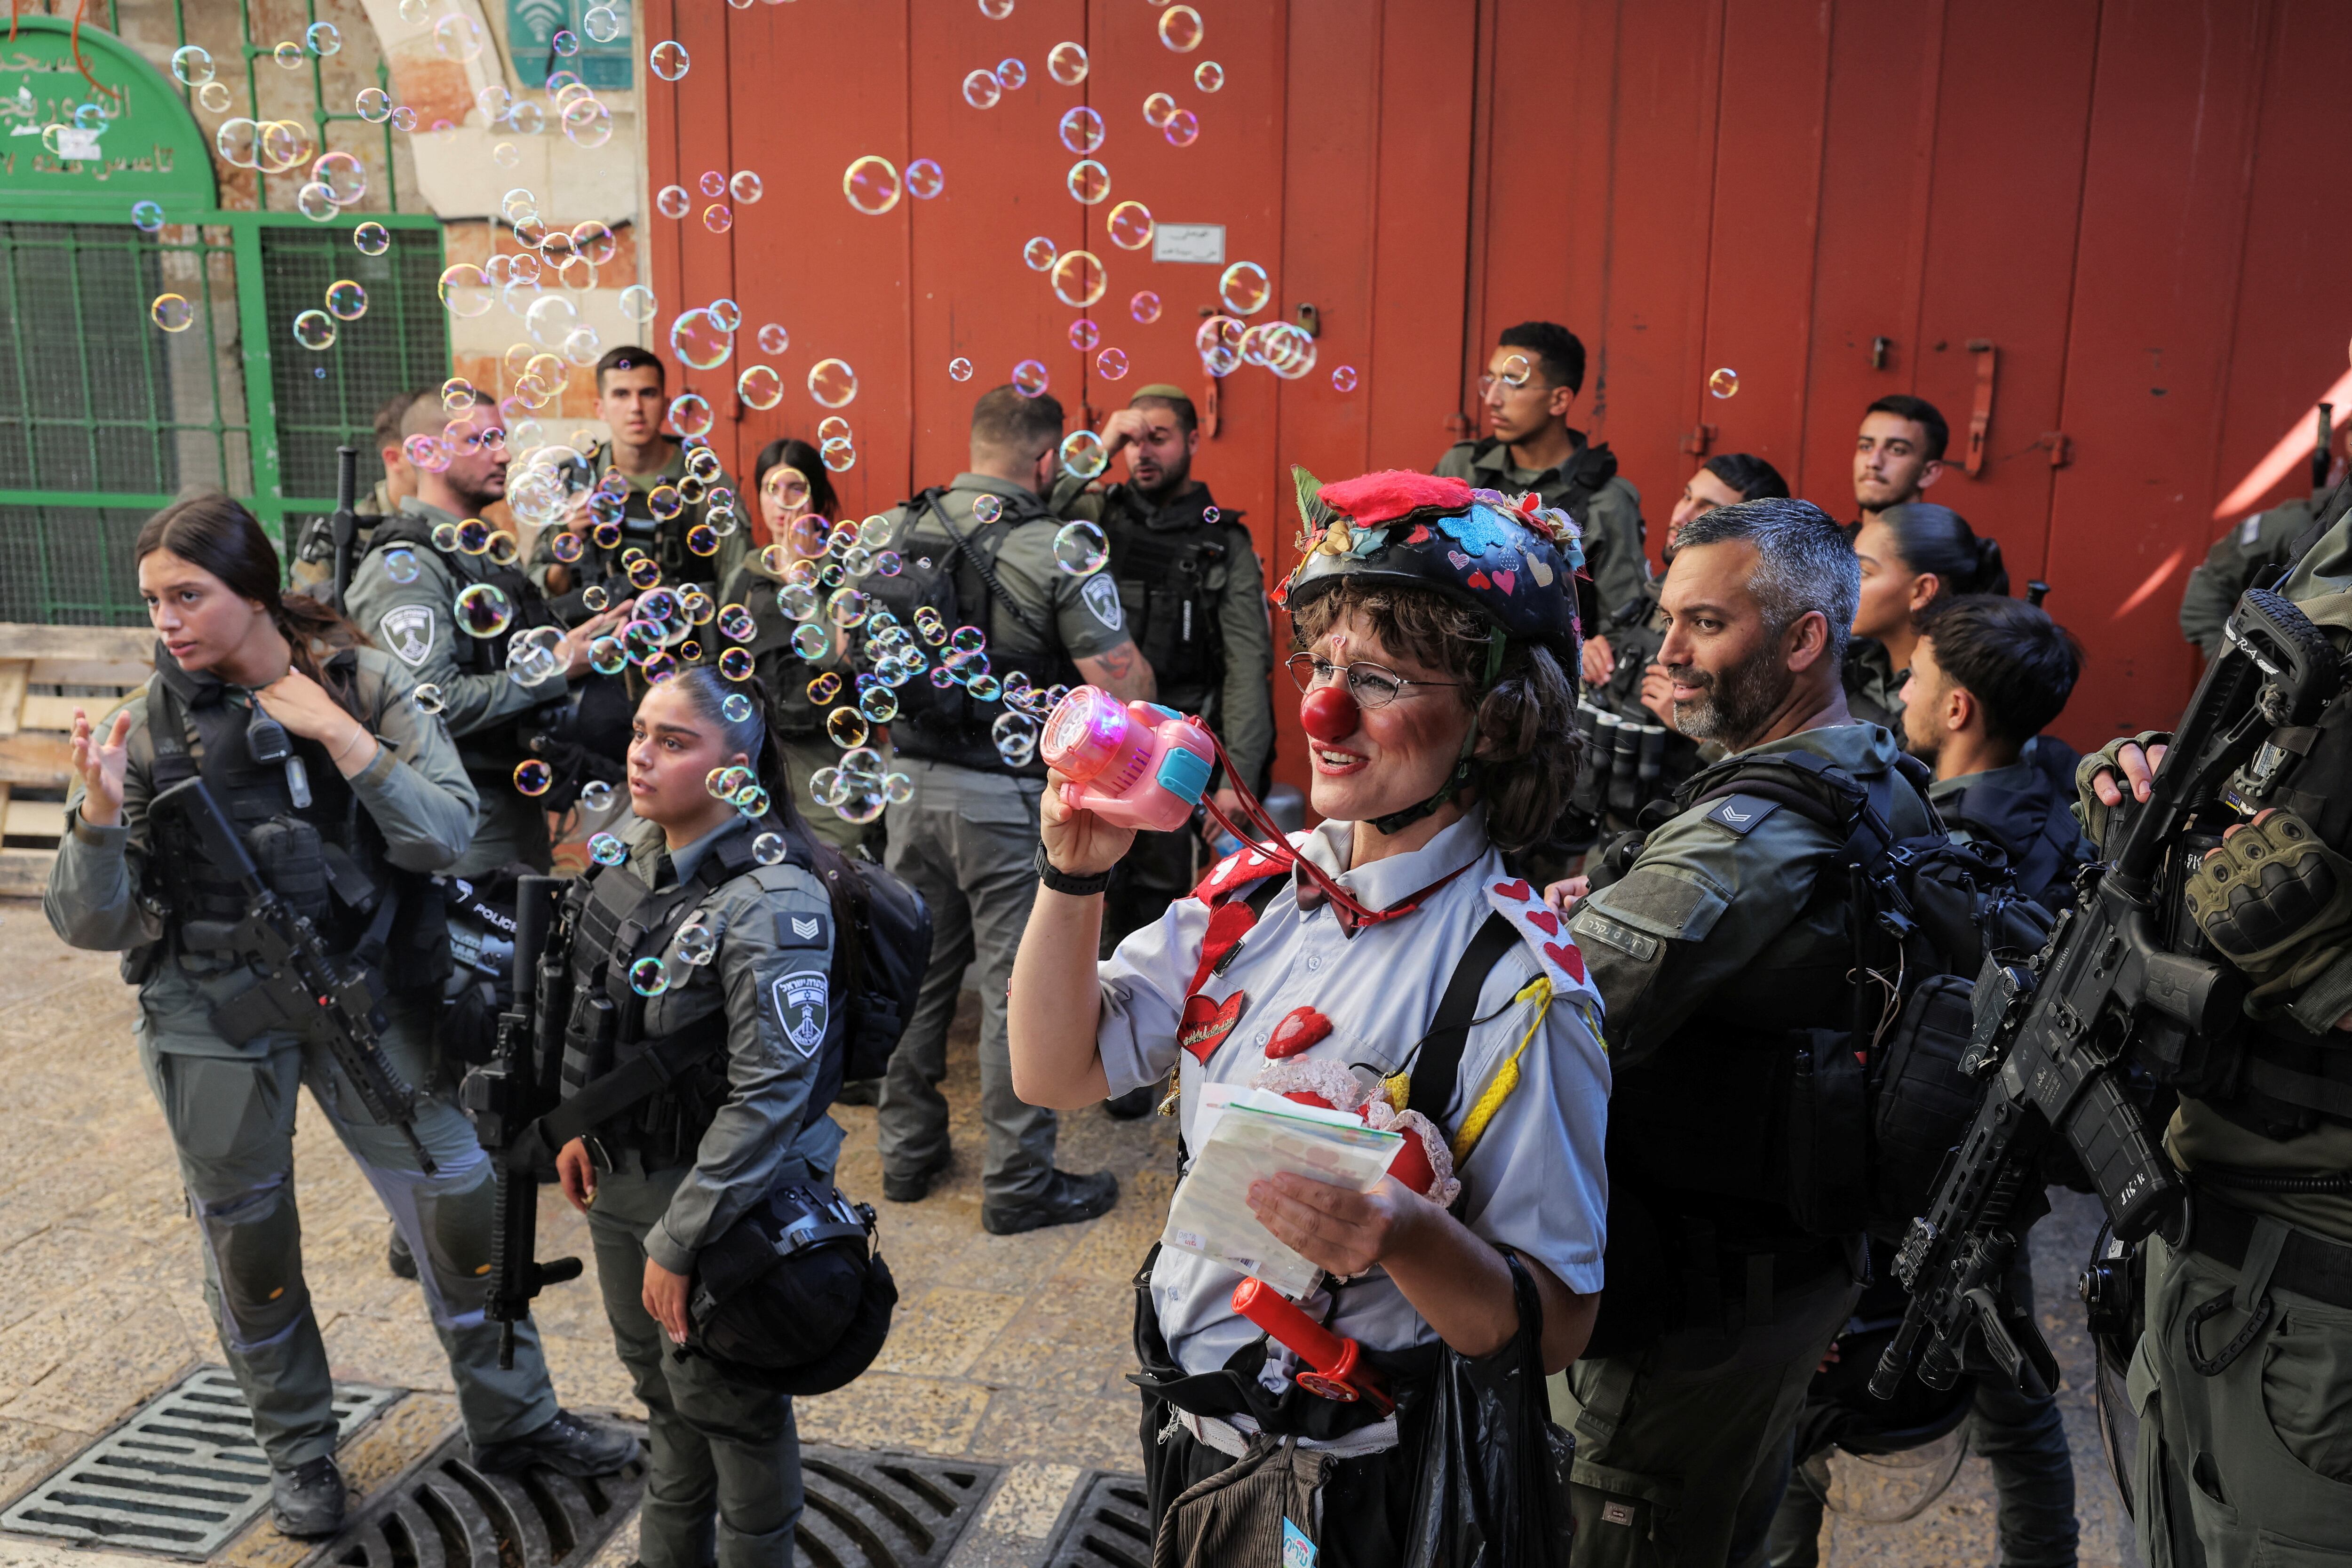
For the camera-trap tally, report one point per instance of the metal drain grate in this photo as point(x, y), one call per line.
point(448, 1514)
point(886, 1511)
point(1110, 1528)
point(180, 1476)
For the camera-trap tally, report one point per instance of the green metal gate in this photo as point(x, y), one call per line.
point(105, 417)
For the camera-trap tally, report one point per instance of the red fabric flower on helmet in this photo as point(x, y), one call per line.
point(1374, 500)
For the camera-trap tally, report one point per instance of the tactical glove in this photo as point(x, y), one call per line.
point(2276, 900)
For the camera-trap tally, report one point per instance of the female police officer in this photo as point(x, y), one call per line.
point(344, 796)
point(720, 949)
point(1437, 629)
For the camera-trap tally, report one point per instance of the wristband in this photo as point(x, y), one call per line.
point(1077, 887)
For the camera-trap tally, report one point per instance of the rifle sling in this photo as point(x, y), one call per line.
point(643, 1075)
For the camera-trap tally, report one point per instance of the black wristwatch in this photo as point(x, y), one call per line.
point(1079, 887)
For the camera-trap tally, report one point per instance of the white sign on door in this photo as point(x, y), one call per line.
point(1203, 242)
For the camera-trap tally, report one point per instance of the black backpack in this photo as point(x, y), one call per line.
point(1873, 1107)
point(882, 969)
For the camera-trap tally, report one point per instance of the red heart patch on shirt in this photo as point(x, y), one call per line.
point(1544, 921)
point(1300, 1027)
point(1515, 890)
point(1568, 958)
point(1205, 1024)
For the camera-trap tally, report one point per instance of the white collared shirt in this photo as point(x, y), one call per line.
point(1537, 1179)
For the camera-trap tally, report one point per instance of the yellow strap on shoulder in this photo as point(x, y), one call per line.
point(1507, 1077)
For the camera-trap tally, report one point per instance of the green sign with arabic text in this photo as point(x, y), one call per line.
point(71, 143)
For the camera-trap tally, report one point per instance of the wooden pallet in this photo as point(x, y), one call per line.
point(34, 727)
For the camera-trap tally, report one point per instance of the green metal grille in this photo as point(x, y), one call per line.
point(327, 398)
point(69, 565)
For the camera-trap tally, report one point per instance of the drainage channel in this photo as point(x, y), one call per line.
point(180, 1478)
point(1110, 1528)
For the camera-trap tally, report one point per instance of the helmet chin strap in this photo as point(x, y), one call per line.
point(1464, 764)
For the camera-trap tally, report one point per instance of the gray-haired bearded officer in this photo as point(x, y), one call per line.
point(2243, 1371)
point(1728, 933)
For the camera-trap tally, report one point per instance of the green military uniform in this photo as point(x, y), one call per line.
point(795, 719)
point(229, 1107)
point(968, 841)
point(1193, 596)
point(311, 567)
point(2248, 1457)
point(724, 1457)
point(1723, 937)
point(2230, 568)
point(664, 540)
point(485, 707)
point(1873, 687)
point(1588, 487)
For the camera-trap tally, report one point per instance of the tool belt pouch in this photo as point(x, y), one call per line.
point(1825, 1164)
point(2276, 903)
point(292, 859)
point(1250, 1511)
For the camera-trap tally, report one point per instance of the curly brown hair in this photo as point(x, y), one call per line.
point(1527, 722)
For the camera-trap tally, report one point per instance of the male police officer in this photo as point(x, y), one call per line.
point(1194, 597)
point(404, 595)
point(312, 569)
point(1989, 673)
point(666, 506)
point(1728, 933)
point(1897, 453)
point(2244, 1362)
point(981, 552)
point(1531, 382)
point(2264, 541)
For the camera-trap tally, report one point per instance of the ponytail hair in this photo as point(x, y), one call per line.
point(1931, 538)
point(214, 533)
point(706, 690)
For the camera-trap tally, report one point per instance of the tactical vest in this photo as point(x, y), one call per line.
point(1170, 612)
point(316, 846)
point(947, 724)
point(665, 541)
point(616, 919)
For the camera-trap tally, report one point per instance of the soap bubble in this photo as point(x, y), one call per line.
point(1084, 334)
point(981, 90)
point(458, 36)
point(871, 184)
point(925, 179)
point(605, 849)
point(760, 388)
point(810, 641)
point(287, 54)
point(1183, 128)
point(737, 706)
point(192, 66)
point(848, 608)
point(532, 776)
point(483, 609)
point(825, 688)
point(1083, 455)
point(1082, 130)
point(1039, 253)
point(1516, 371)
point(1208, 75)
point(846, 727)
point(649, 977)
point(587, 123)
point(606, 655)
point(316, 202)
point(315, 331)
point(689, 415)
point(214, 97)
point(769, 849)
point(1078, 280)
point(717, 217)
point(1089, 182)
point(1130, 225)
point(345, 177)
point(1243, 288)
point(346, 300)
point(400, 565)
point(878, 703)
point(672, 201)
point(429, 699)
point(658, 668)
point(959, 370)
point(996, 10)
point(1144, 307)
point(1016, 738)
point(696, 944)
point(698, 339)
point(668, 59)
point(1157, 109)
point(1180, 28)
point(1011, 75)
point(712, 183)
point(371, 238)
point(172, 312)
point(1343, 379)
point(1029, 378)
point(602, 24)
point(985, 508)
point(832, 383)
point(1079, 548)
point(1111, 364)
point(465, 292)
point(1724, 382)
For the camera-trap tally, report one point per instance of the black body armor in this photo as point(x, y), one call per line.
point(1170, 612)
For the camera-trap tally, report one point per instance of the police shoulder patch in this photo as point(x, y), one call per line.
point(1101, 597)
point(407, 631)
point(800, 1001)
point(1740, 813)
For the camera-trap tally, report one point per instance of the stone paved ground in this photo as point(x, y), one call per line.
point(1008, 1349)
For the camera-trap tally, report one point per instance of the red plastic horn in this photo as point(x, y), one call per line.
point(1327, 713)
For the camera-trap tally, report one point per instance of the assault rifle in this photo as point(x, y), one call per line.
point(2055, 1039)
point(301, 986)
point(343, 527)
point(506, 1099)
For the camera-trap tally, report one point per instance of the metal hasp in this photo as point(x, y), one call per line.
point(1980, 414)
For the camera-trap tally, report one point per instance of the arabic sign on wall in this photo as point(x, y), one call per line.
point(65, 144)
point(531, 26)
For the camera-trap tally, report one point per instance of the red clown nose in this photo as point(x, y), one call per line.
point(1327, 713)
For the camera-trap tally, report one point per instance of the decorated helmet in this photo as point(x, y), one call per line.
point(1512, 561)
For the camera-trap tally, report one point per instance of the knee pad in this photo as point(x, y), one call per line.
point(254, 1241)
point(455, 1227)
